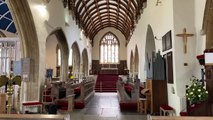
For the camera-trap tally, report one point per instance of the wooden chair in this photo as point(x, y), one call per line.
point(143, 103)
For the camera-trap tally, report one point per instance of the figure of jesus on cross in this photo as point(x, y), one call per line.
point(184, 35)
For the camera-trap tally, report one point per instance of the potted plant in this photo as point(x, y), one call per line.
point(196, 92)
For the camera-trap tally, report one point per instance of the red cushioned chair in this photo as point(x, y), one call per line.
point(166, 109)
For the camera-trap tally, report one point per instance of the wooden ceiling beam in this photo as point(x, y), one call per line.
point(127, 23)
point(93, 11)
point(94, 15)
point(104, 20)
point(105, 26)
point(112, 22)
point(130, 21)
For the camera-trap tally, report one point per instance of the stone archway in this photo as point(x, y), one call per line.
point(62, 44)
point(24, 23)
point(85, 62)
point(149, 49)
point(51, 54)
point(131, 63)
point(76, 59)
point(208, 24)
point(136, 60)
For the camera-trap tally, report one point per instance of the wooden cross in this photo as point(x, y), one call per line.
point(158, 2)
point(184, 35)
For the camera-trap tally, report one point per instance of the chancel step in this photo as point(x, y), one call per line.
point(106, 83)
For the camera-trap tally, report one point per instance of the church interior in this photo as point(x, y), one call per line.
point(106, 59)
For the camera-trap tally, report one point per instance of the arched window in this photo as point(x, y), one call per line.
point(70, 57)
point(58, 57)
point(58, 64)
point(109, 47)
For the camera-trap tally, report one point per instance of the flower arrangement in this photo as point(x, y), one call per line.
point(196, 92)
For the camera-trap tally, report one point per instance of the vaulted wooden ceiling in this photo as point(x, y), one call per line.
point(95, 15)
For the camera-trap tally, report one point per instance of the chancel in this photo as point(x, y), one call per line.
point(101, 59)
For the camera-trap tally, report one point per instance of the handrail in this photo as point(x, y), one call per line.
point(179, 118)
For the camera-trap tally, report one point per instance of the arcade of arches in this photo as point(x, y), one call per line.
point(89, 39)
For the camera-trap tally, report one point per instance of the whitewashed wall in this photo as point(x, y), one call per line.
point(161, 21)
point(173, 15)
point(47, 18)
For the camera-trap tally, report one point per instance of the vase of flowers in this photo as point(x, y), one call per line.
point(196, 92)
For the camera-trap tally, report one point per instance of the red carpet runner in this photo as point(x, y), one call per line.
point(106, 83)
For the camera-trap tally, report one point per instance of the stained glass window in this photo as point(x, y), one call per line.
point(109, 47)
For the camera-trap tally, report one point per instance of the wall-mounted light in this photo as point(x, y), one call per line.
point(42, 10)
point(156, 38)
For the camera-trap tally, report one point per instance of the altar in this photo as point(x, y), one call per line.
point(109, 71)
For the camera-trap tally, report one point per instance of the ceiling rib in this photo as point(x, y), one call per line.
point(95, 15)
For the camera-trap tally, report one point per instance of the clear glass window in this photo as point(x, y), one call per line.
point(109, 49)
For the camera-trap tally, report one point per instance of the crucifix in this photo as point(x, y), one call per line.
point(184, 35)
point(158, 2)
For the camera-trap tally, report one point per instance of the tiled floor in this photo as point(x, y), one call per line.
point(104, 106)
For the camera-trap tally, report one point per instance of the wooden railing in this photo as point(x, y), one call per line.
point(178, 118)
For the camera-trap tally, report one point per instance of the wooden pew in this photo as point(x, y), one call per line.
point(33, 117)
point(179, 118)
point(123, 95)
point(86, 89)
point(128, 94)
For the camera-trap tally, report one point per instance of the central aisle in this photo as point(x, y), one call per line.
point(104, 106)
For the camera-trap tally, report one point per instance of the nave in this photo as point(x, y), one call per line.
point(73, 39)
point(104, 106)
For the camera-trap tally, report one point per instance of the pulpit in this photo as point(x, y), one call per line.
point(207, 107)
point(208, 54)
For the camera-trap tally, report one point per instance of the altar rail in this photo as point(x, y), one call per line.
point(33, 117)
point(96, 67)
point(179, 118)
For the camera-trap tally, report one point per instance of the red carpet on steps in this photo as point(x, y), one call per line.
point(106, 83)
